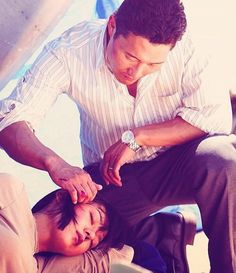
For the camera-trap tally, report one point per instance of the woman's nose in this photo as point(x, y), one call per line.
point(89, 233)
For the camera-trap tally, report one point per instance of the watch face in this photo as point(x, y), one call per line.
point(127, 136)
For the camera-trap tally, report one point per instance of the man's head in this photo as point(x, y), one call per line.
point(74, 229)
point(140, 35)
point(159, 21)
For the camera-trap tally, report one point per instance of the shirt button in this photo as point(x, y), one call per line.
point(12, 106)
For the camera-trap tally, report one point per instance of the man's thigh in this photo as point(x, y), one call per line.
point(169, 179)
point(176, 176)
point(147, 186)
point(129, 200)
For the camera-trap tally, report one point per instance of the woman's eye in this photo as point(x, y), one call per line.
point(91, 218)
point(75, 222)
point(96, 217)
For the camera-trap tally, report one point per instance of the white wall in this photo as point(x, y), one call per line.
point(24, 25)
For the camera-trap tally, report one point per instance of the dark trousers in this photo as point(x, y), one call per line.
point(202, 171)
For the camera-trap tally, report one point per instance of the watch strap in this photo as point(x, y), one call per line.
point(133, 145)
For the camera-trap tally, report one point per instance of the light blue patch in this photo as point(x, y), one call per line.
point(104, 8)
point(20, 73)
point(191, 208)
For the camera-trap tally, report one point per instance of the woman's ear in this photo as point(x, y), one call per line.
point(60, 195)
point(63, 197)
point(111, 26)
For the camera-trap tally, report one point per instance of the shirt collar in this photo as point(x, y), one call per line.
point(101, 47)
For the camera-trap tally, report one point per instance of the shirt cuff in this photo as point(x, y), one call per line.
point(211, 123)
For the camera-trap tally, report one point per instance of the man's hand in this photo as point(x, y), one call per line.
point(75, 180)
point(114, 158)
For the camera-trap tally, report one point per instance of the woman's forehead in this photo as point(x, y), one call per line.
point(96, 207)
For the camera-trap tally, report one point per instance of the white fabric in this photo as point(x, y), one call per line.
point(18, 238)
point(74, 64)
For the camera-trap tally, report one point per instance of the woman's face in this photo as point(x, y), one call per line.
point(85, 232)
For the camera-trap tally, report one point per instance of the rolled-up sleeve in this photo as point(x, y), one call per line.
point(37, 90)
point(206, 100)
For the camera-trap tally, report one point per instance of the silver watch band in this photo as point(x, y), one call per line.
point(133, 145)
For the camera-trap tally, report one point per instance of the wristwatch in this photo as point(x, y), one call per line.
point(129, 139)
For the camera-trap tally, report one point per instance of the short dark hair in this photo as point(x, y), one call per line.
point(117, 227)
point(159, 21)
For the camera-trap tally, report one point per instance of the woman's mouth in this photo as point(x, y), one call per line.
point(78, 238)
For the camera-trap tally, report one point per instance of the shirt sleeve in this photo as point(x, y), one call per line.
point(92, 261)
point(10, 190)
point(37, 90)
point(206, 100)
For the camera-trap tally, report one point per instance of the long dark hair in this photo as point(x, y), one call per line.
point(65, 212)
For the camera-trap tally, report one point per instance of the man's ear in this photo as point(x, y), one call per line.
point(111, 26)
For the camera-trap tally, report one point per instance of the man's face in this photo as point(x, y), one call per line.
point(133, 57)
point(86, 232)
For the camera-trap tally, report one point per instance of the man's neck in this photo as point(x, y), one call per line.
point(132, 88)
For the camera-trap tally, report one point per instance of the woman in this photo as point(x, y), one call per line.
point(54, 225)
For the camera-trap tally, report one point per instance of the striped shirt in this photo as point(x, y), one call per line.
point(74, 64)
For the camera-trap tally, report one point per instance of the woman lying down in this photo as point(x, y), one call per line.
point(57, 226)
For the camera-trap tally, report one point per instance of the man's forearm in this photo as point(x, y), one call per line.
point(168, 133)
point(22, 145)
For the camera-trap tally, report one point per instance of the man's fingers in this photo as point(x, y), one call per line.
point(71, 189)
point(93, 189)
point(115, 176)
point(79, 192)
point(89, 192)
point(82, 196)
point(116, 173)
point(114, 170)
point(108, 174)
point(104, 171)
point(112, 162)
point(73, 194)
point(98, 186)
point(107, 170)
point(78, 183)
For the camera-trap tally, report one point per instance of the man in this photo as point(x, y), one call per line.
point(56, 226)
point(152, 116)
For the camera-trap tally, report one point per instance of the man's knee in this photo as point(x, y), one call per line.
point(214, 167)
point(217, 153)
